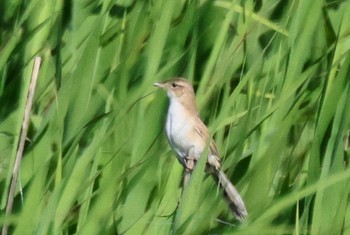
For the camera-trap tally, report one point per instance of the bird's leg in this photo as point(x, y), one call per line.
point(188, 171)
point(189, 165)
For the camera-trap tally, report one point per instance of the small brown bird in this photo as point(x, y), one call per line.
point(188, 136)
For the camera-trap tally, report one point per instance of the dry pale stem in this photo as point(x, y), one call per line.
point(22, 139)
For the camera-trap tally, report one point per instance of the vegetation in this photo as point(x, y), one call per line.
point(272, 82)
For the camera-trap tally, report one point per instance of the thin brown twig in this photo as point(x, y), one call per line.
point(22, 139)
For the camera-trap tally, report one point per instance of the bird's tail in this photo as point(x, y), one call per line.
point(231, 195)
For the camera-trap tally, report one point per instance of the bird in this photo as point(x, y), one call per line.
point(189, 137)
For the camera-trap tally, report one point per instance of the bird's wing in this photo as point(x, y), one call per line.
point(203, 132)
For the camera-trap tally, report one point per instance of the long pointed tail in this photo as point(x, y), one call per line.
point(232, 196)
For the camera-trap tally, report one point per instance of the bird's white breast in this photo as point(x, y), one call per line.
point(178, 128)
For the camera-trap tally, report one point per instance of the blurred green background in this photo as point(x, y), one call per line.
point(272, 82)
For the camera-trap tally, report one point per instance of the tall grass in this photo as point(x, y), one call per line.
point(272, 82)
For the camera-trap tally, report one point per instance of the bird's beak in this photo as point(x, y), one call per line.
point(158, 84)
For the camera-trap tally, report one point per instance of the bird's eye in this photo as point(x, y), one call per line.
point(174, 84)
